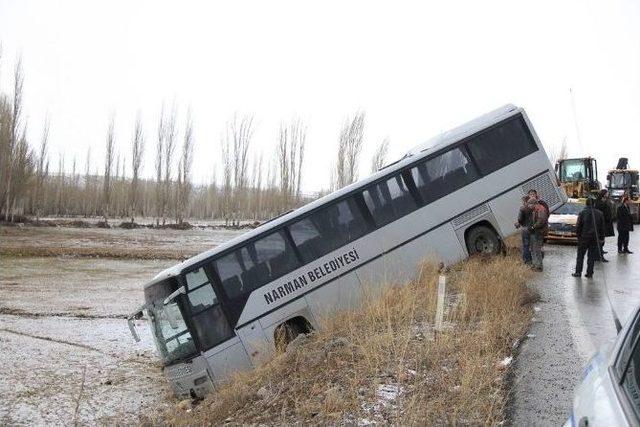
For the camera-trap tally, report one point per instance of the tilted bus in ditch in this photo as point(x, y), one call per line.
point(221, 311)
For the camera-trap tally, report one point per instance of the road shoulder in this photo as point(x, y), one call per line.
point(547, 366)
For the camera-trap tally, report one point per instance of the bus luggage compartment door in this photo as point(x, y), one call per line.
point(342, 293)
point(379, 273)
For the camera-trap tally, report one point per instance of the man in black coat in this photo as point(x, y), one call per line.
point(603, 206)
point(625, 225)
point(525, 217)
point(590, 230)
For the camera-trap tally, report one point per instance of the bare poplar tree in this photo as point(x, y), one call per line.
point(242, 131)
point(115, 186)
point(380, 156)
point(108, 166)
point(349, 148)
point(169, 148)
point(137, 152)
point(226, 178)
point(257, 186)
point(282, 153)
point(60, 185)
point(23, 171)
point(14, 135)
point(158, 166)
point(184, 169)
point(86, 200)
point(290, 156)
point(235, 152)
point(41, 171)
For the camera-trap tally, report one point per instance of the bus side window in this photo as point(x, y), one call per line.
point(255, 264)
point(444, 174)
point(389, 200)
point(497, 147)
point(230, 271)
point(328, 229)
point(275, 252)
point(307, 239)
point(210, 322)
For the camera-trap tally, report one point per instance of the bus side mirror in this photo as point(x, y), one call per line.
point(132, 326)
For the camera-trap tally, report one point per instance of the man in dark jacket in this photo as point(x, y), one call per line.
point(603, 206)
point(590, 231)
point(537, 231)
point(525, 215)
point(625, 225)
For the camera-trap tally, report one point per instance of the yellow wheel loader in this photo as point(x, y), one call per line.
point(578, 177)
point(621, 181)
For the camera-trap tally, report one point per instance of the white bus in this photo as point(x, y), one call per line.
point(459, 194)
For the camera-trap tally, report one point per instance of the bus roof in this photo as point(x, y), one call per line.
point(421, 150)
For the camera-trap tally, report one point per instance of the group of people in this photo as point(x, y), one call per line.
point(533, 221)
point(595, 223)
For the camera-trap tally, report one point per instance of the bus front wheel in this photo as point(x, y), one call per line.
point(286, 333)
point(483, 240)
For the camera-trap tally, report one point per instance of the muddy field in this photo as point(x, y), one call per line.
point(119, 243)
point(65, 348)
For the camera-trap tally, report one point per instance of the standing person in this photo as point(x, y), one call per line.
point(534, 193)
point(537, 230)
point(602, 205)
point(625, 225)
point(589, 228)
point(525, 215)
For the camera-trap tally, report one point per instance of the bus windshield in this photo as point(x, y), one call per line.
point(573, 171)
point(172, 338)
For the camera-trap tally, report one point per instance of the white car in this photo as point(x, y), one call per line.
point(609, 394)
point(562, 222)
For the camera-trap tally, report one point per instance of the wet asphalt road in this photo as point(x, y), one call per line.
point(572, 321)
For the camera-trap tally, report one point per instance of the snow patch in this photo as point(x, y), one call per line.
point(505, 362)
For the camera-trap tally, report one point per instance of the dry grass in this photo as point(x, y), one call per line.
point(335, 376)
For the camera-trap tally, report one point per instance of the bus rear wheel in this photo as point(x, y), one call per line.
point(483, 240)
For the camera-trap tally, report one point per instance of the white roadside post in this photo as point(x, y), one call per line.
point(442, 291)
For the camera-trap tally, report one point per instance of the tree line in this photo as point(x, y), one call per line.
point(33, 184)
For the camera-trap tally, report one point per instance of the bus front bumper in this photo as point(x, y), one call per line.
point(189, 379)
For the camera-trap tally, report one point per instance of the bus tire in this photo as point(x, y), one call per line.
point(483, 240)
point(284, 334)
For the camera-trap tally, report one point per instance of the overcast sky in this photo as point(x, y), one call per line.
point(415, 69)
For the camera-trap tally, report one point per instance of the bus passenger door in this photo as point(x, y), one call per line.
point(255, 342)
